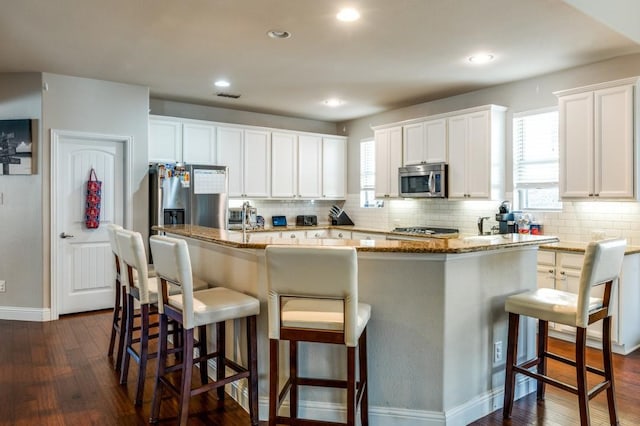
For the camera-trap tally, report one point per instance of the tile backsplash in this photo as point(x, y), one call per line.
point(578, 221)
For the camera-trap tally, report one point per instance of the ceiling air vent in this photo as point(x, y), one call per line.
point(227, 95)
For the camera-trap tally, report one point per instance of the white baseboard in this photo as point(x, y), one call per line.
point(383, 416)
point(24, 314)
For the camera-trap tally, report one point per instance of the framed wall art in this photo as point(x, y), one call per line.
point(16, 147)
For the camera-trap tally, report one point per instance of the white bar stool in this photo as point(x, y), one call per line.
point(313, 297)
point(119, 305)
point(194, 309)
point(602, 265)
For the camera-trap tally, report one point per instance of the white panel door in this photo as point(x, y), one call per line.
point(85, 271)
point(198, 144)
point(309, 166)
point(257, 163)
point(394, 160)
point(165, 140)
point(457, 177)
point(334, 168)
point(414, 144)
point(284, 165)
point(478, 155)
point(576, 145)
point(230, 154)
point(436, 141)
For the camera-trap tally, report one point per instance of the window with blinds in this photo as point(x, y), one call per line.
point(536, 160)
point(368, 174)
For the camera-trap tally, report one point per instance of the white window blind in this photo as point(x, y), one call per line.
point(536, 160)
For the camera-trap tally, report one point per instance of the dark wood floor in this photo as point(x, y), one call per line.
point(57, 373)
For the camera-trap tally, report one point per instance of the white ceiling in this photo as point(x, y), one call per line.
point(399, 53)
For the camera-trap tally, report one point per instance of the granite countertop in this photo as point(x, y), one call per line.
point(427, 245)
point(579, 247)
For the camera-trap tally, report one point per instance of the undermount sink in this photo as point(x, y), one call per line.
point(485, 238)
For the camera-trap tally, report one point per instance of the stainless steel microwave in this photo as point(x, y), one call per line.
point(423, 181)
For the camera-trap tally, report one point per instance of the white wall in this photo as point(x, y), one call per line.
point(20, 210)
point(577, 219)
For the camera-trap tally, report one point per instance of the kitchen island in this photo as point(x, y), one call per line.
point(437, 314)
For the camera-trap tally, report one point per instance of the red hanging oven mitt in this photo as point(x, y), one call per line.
point(92, 208)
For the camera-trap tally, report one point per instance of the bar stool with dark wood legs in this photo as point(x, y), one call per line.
point(119, 307)
point(197, 309)
point(313, 297)
point(602, 265)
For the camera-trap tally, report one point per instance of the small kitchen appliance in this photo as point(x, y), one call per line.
point(505, 219)
point(235, 217)
point(423, 181)
point(307, 220)
point(278, 221)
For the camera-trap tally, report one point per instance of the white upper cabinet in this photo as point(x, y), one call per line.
point(476, 143)
point(165, 140)
point(388, 144)
point(597, 141)
point(230, 150)
point(334, 168)
point(198, 143)
point(309, 166)
point(425, 142)
point(284, 165)
point(257, 163)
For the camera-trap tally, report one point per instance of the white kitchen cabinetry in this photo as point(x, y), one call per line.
point(165, 140)
point(309, 166)
point(294, 235)
point(561, 270)
point(340, 234)
point(334, 168)
point(425, 142)
point(247, 155)
point(367, 236)
point(198, 143)
point(597, 141)
point(476, 143)
point(388, 144)
point(284, 165)
point(318, 233)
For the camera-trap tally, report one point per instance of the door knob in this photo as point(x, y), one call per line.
point(65, 235)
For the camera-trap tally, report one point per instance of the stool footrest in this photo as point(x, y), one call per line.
point(557, 383)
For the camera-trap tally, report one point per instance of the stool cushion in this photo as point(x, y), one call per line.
point(549, 305)
point(321, 314)
point(218, 304)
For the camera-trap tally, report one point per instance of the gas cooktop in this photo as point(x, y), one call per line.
point(426, 230)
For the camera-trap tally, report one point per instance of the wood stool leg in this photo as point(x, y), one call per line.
point(543, 337)
point(293, 376)
point(252, 354)
point(144, 353)
point(126, 355)
point(512, 357)
point(607, 358)
point(581, 375)
point(364, 381)
point(115, 327)
point(274, 390)
point(202, 351)
point(351, 386)
point(124, 314)
point(187, 371)
point(160, 370)
point(220, 359)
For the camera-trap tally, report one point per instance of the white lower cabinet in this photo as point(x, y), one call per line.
point(367, 236)
point(294, 235)
point(318, 233)
point(561, 270)
point(340, 234)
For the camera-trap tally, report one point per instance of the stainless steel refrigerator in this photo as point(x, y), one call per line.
point(188, 194)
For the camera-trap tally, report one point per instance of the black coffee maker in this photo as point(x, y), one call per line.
point(504, 217)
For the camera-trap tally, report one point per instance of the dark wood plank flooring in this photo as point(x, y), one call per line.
point(57, 373)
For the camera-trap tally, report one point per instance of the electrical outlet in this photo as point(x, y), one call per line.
point(497, 352)
point(3, 287)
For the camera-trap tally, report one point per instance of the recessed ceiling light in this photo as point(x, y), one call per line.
point(333, 102)
point(222, 83)
point(481, 58)
point(278, 34)
point(348, 15)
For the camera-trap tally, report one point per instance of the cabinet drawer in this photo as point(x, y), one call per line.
point(573, 261)
point(546, 257)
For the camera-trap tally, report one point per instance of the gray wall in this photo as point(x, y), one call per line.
point(523, 95)
point(222, 115)
point(21, 216)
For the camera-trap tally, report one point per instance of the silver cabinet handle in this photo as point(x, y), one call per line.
point(65, 235)
point(293, 235)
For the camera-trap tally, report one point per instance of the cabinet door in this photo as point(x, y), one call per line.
point(257, 163)
point(381, 138)
point(230, 154)
point(198, 143)
point(478, 152)
point(294, 235)
point(334, 168)
point(576, 145)
point(413, 149)
point(309, 166)
point(395, 160)
point(165, 140)
point(436, 141)
point(366, 236)
point(457, 175)
point(284, 161)
point(613, 143)
point(340, 234)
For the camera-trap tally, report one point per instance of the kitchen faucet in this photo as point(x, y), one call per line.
point(481, 220)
